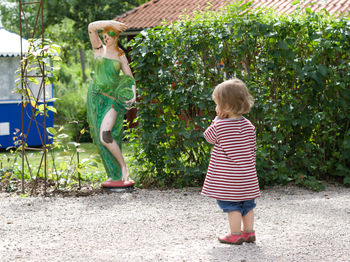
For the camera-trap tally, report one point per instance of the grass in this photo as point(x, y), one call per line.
point(62, 165)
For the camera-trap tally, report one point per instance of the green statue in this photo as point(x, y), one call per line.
point(111, 92)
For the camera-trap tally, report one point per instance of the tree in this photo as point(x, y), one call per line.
point(56, 12)
point(9, 10)
point(82, 12)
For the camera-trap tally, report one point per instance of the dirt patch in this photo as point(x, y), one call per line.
point(40, 188)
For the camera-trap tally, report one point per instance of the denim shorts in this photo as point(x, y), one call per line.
point(242, 206)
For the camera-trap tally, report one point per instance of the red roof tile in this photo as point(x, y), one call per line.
point(285, 6)
point(154, 12)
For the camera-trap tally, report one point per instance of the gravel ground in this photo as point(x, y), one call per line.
point(292, 224)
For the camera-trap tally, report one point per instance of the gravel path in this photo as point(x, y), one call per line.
point(292, 224)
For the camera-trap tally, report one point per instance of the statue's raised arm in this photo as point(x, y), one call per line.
point(94, 27)
point(109, 96)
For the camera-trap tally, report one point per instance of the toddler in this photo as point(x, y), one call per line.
point(231, 178)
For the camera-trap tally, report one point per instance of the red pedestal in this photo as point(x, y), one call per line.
point(118, 184)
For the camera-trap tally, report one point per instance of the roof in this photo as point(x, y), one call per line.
point(285, 6)
point(10, 44)
point(154, 12)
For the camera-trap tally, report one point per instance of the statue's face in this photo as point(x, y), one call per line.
point(109, 40)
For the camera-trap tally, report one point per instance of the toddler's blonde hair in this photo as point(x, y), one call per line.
point(233, 96)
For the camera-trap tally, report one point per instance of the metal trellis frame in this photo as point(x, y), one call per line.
point(26, 99)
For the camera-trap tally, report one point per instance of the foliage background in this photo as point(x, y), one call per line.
point(65, 23)
point(296, 67)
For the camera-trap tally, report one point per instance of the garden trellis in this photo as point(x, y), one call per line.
point(34, 71)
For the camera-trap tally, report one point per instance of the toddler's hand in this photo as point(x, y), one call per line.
point(221, 114)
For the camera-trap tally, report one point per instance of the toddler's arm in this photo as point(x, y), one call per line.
point(254, 145)
point(210, 133)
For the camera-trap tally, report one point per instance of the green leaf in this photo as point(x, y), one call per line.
point(346, 142)
point(346, 180)
point(62, 136)
point(283, 45)
point(41, 108)
point(322, 69)
point(75, 144)
point(52, 99)
point(93, 164)
point(51, 130)
point(51, 108)
point(34, 104)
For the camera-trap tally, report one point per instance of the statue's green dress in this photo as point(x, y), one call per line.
point(107, 79)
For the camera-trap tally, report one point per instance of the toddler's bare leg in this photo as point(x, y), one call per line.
point(234, 219)
point(248, 221)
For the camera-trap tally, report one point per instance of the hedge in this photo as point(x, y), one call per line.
point(297, 67)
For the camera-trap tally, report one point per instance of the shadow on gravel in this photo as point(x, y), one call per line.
point(241, 253)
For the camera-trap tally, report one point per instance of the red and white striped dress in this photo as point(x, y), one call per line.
point(231, 173)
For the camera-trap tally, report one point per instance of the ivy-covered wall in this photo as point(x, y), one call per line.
point(297, 67)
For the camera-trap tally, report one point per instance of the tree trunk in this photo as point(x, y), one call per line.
point(82, 62)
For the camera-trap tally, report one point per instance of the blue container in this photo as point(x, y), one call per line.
point(10, 101)
point(11, 124)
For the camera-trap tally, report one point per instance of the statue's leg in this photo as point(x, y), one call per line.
point(107, 140)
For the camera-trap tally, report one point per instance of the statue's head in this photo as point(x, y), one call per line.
point(110, 36)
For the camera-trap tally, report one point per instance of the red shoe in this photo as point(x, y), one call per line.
point(248, 237)
point(232, 239)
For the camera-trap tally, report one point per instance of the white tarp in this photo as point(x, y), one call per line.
point(10, 51)
point(10, 44)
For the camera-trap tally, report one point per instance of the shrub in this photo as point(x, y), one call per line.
point(297, 68)
point(71, 102)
